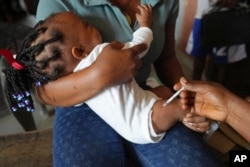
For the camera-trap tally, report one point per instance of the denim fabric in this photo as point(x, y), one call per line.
point(180, 147)
point(82, 139)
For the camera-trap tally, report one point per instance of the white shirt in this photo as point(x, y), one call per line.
point(126, 107)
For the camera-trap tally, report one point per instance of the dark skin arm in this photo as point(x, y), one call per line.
point(167, 66)
point(113, 66)
point(216, 102)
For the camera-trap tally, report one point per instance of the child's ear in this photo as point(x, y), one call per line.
point(78, 53)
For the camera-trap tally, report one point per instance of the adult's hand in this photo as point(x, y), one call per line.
point(209, 99)
point(116, 65)
point(216, 102)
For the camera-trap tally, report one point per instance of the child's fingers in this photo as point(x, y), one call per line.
point(199, 119)
point(189, 117)
point(190, 126)
point(198, 127)
point(145, 8)
point(149, 7)
point(201, 125)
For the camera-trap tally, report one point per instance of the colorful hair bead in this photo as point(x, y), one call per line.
point(30, 109)
point(19, 97)
point(38, 83)
point(14, 96)
point(21, 105)
point(14, 109)
point(27, 93)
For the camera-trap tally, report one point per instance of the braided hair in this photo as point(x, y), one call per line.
point(20, 82)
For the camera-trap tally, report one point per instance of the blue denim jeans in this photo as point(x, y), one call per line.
point(82, 139)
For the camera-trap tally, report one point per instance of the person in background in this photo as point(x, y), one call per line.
point(216, 63)
point(81, 138)
point(214, 101)
point(194, 45)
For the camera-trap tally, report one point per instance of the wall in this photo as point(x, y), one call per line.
point(185, 21)
point(183, 27)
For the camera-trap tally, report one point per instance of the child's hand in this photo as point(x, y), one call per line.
point(196, 123)
point(144, 17)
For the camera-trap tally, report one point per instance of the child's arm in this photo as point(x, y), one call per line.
point(144, 34)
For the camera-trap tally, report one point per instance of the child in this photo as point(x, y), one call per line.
point(56, 49)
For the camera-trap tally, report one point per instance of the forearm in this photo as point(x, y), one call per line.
point(113, 66)
point(72, 89)
point(169, 72)
point(164, 119)
point(167, 65)
point(239, 116)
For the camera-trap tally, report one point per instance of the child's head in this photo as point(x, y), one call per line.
point(52, 49)
point(71, 40)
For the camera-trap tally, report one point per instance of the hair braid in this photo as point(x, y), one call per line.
point(20, 82)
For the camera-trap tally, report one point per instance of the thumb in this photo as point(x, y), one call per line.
point(137, 49)
point(192, 86)
point(116, 44)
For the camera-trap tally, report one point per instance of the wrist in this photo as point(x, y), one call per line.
point(234, 104)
